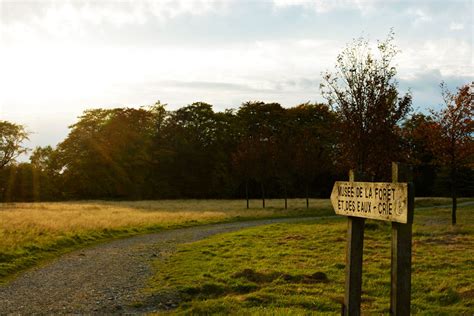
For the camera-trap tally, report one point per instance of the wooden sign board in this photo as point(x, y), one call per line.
point(376, 200)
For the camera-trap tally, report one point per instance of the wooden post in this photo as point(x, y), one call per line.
point(394, 172)
point(355, 245)
point(400, 294)
point(307, 194)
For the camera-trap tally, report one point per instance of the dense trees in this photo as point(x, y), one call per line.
point(259, 150)
point(260, 132)
point(107, 154)
point(311, 140)
point(193, 152)
point(419, 155)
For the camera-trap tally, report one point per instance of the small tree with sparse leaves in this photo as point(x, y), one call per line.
point(364, 94)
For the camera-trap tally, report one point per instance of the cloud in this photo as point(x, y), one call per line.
point(297, 84)
point(419, 16)
point(230, 95)
point(425, 87)
point(323, 6)
point(81, 76)
point(206, 85)
point(78, 76)
point(450, 56)
point(454, 26)
point(22, 22)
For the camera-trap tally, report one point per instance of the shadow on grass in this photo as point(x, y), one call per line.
point(245, 282)
point(259, 277)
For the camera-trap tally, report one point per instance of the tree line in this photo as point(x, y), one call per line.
point(192, 152)
point(258, 150)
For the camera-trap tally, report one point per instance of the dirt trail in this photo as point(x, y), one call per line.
point(107, 278)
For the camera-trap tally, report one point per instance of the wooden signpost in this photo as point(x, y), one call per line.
point(381, 201)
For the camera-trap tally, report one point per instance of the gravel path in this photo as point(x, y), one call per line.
point(107, 278)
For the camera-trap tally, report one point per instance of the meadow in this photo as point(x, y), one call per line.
point(298, 269)
point(283, 268)
point(31, 233)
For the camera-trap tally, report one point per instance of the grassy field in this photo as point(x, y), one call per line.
point(298, 269)
point(32, 232)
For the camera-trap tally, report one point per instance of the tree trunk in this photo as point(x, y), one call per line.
point(307, 196)
point(263, 195)
point(286, 198)
point(453, 212)
point(247, 192)
point(453, 196)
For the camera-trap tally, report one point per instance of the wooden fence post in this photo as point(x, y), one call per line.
point(400, 294)
point(355, 245)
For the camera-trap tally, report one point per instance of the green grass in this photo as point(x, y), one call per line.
point(298, 269)
point(438, 201)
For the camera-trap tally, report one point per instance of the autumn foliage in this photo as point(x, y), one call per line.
point(452, 133)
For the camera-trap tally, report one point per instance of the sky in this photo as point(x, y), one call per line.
point(59, 58)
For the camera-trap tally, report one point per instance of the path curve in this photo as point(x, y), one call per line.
point(106, 278)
